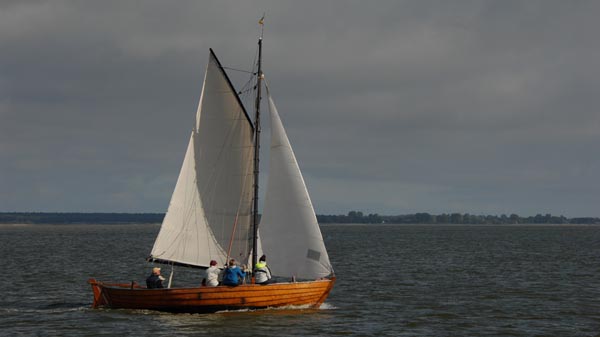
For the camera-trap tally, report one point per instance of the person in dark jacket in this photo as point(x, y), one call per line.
point(154, 281)
point(233, 275)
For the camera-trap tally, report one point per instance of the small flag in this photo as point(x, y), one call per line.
point(261, 21)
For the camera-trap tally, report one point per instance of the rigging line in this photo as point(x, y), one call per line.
point(235, 222)
point(266, 85)
point(245, 191)
point(247, 87)
point(250, 85)
point(241, 199)
point(240, 70)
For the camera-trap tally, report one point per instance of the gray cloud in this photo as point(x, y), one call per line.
point(468, 106)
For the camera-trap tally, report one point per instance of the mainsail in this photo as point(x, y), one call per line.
point(209, 216)
point(289, 231)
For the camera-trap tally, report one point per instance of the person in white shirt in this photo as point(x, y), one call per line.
point(212, 275)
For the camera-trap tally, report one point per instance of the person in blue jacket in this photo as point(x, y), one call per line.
point(233, 275)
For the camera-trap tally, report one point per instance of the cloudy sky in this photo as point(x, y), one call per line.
point(393, 107)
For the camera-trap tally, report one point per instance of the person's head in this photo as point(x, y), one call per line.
point(232, 262)
point(263, 258)
point(213, 263)
point(156, 271)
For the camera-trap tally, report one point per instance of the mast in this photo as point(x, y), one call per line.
point(257, 130)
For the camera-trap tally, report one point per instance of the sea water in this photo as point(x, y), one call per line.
point(392, 280)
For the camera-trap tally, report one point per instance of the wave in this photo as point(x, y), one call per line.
point(52, 308)
point(327, 306)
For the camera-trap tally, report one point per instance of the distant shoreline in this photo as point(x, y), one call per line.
point(5, 226)
point(353, 217)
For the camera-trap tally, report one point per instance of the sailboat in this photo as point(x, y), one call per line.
point(214, 214)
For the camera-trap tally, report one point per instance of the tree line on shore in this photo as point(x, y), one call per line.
point(351, 217)
point(453, 218)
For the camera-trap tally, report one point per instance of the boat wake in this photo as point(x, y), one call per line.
point(50, 309)
point(284, 309)
point(327, 306)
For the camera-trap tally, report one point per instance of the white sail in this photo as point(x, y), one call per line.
point(289, 231)
point(209, 217)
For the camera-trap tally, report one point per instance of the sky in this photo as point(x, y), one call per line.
point(392, 107)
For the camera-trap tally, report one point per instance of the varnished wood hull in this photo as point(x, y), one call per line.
point(211, 299)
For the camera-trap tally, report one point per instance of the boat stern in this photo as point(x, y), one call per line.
point(99, 300)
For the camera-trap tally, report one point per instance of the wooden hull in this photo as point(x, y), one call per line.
point(211, 299)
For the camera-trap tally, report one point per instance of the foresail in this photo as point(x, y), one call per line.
point(209, 217)
point(183, 227)
point(289, 231)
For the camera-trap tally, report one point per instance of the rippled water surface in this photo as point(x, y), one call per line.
point(393, 280)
